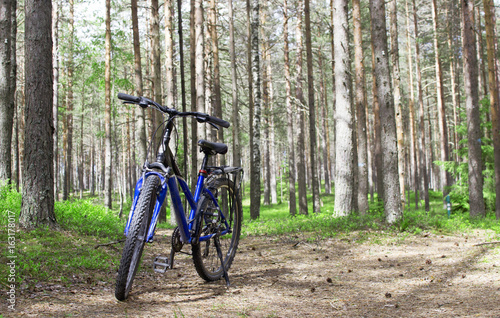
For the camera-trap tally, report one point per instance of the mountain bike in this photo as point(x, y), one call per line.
point(211, 221)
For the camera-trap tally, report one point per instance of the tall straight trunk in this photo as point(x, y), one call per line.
point(312, 112)
point(169, 56)
point(216, 72)
point(13, 88)
point(453, 86)
point(199, 56)
point(194, 126)
point(81, 156)
point(334, 93)
point(476, 199)
point(107, 114)
point(493, 82)
point(255, 164)
point(393, 9)
point(421, 144)
point(299, 94)
point(141, 113)
point(266, 164)
point(344, 117)
point(37, 208)
point(156, 70)
point(324, 125)
point(392, 200)
point(70, 105)
point(55, 107)
point(445, 176)
point(377, 133)
point(290, 112)
point(183, 89)
point(6, 109)
point(234, 92)
point(360, 101)
point(482, 84)
point(414, 156)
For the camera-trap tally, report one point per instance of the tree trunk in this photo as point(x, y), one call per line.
point(494, 93)
point(37, 207)
point(255, 164)
point(68, 179)
point(141, 113)
point(445, 176)
point(451, 46)
point(312, 112)
point(6, 109)
point(360, 101)
point(194, 126)
point(292, 203)
point(107, 114)
point(55, 107)
point(234, 92)
point(392, 199)
point(393, 9)
point(324, 126)
point(183, 89)
point(414, 158)
point(476, 200)
point(301, 160)
point(344, 117)
point(422, 144)
point(379, 180)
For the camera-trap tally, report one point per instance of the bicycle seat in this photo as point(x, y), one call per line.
point(212, 147)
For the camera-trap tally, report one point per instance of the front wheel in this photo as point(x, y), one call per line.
point(205, 257)
point(134, 244)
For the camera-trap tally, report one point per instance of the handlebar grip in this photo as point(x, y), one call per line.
point(129, 98)
point(218, 121)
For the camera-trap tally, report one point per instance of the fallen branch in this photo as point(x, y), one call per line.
point(487, 243)
point(110, 243)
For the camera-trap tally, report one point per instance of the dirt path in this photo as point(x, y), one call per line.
point(400, 276)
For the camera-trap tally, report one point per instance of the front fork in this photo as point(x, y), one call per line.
point(162, 193)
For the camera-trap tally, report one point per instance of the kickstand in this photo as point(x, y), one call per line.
point(219, 253)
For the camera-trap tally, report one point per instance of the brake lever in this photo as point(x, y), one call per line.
point(214, 125)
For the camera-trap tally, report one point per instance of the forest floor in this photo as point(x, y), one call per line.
point(358, 274)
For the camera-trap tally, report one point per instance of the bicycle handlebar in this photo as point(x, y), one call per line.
point(146, 102)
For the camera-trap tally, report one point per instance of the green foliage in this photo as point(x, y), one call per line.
point(83, 217)
point(459, 193)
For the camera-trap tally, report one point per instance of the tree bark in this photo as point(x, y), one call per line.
point(414, 158)
point(6, 109)
point(476, 200)
point(360, 101)
point(183, 89)
point(37, 207)
point(194, 126)
point(422, 144)
point(344, 117)
point(255, 164)
point(393, 9)
point(55, 107)
point(392, 199)
point(141, 113)
point(290, 112)
point(443, 132)
point(234, 92)
point(107, 114)
point(312, 112)
point(493, 83)
point(299, 94)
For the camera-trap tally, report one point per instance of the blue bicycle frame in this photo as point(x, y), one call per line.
point(185, 225)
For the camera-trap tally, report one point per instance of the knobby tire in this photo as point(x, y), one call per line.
point(134, 244)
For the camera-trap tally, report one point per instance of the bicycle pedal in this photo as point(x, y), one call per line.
point(161, 264)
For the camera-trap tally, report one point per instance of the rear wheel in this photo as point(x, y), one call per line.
point(205, 257)
point(134, 244)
